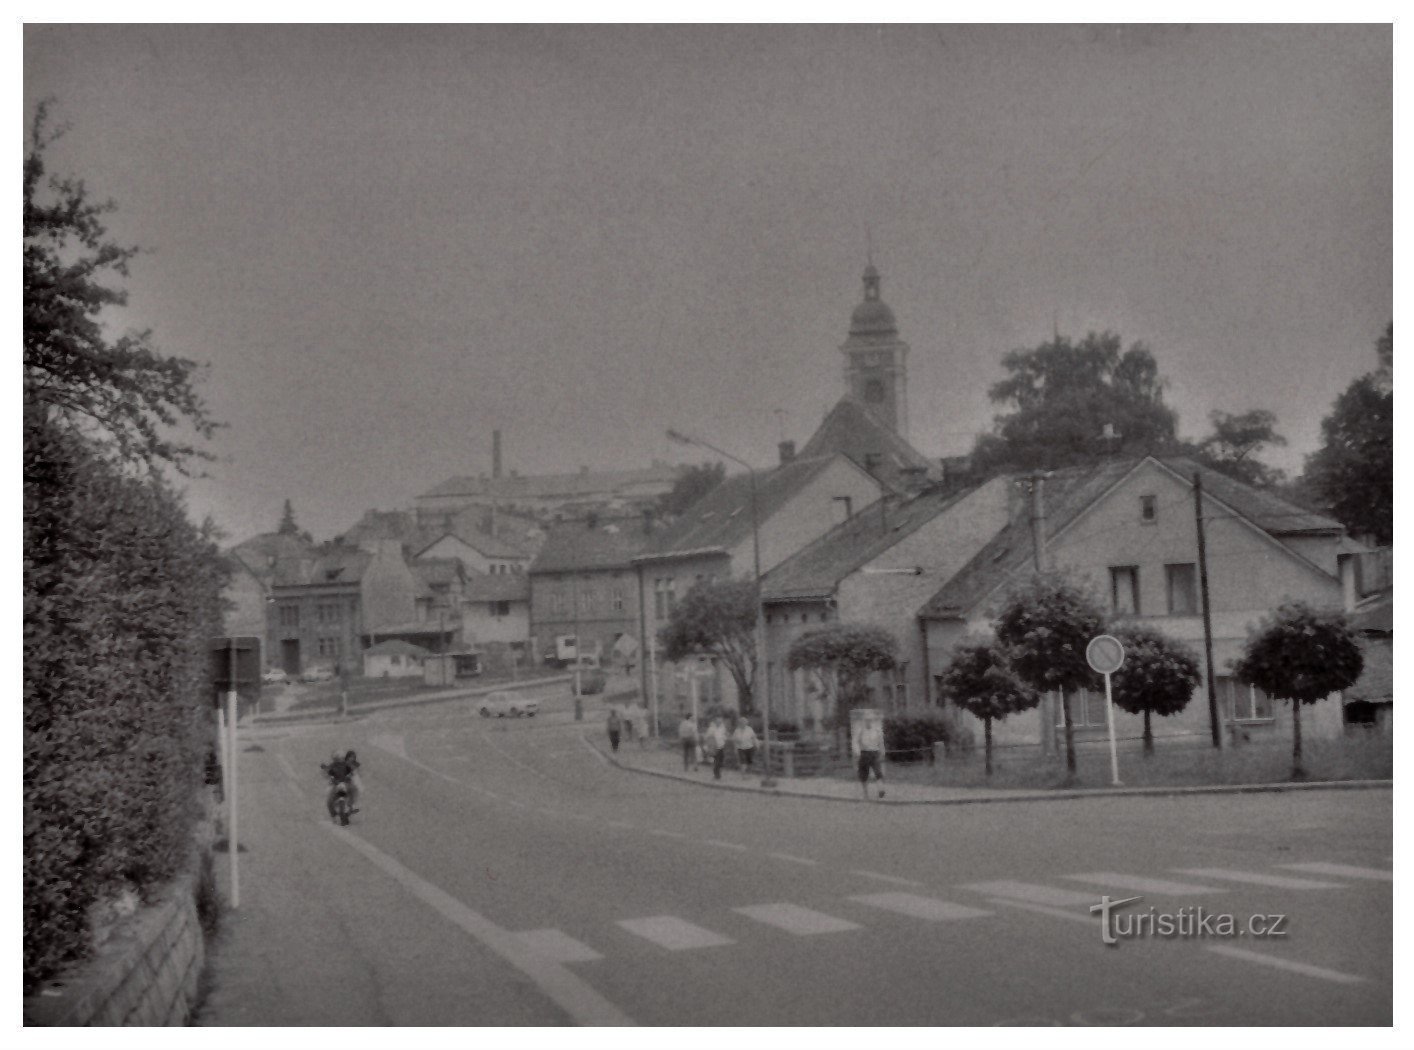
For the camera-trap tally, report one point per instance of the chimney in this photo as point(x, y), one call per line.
point(787, 449)
point(495, 453)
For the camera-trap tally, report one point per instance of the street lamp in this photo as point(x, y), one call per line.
point(765, 679)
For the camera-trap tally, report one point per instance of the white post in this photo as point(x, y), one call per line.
point(653, 677)
point(232, 841)
point(1110, 719)
point(692, 692)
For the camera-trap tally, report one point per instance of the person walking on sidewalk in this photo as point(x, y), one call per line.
point(717, 744)
point(615, 727)
point(871, 755)
point(745, 740)
point(687, 739)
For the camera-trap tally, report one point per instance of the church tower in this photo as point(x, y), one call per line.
point(876, 359)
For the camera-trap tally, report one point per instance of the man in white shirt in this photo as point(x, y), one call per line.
point(871, 755)
point(717, 744)
point(745, 740)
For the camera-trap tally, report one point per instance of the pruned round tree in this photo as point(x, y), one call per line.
point(1158, 676)
point(717, 618)
point(1045, 622)
point(843, 655)
point(981, 680)
point(1302, 654)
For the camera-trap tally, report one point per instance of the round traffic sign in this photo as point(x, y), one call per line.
point(1105, 654)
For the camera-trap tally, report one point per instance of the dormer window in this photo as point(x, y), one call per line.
point(1148, 511)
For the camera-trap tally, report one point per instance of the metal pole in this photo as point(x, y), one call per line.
point(232, 809)
point(1110, 719)
point(574, 597)
point(653, 677)
point(762, 675)
point(1207, 611)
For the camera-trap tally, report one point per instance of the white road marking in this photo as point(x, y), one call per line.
point(569, 992)
point(1045, 909)
point(896, 880)
point(1135, 884)
point(675, 934)
point(557, 946)
point(914, 906)
point(665, 833)
point(794, 919)
point(618, 824)
point(793, 858)
point(1029, 891)
point(725, 845)
point(594, 751)
point(1348, 871)
point(1285, 964)
point(1278, 882)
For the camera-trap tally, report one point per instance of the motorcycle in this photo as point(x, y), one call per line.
point(343, 804)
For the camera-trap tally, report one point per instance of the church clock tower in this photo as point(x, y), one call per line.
point(876, 359)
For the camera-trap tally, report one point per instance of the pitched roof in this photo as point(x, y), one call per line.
point(260, 554)
point(849, 427)
point(334, 564)
point(816, 570)
point(497, 587)
point(577, 546)
point(1070, 491)
point(722, 519)
point(395, 647)
point(401, 525)
point(436, 570)
point(481, 542)
point(557, 486)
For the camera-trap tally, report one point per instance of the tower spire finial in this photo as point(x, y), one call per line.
point(868, 243)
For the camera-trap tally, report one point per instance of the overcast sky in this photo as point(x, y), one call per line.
point(387, 243)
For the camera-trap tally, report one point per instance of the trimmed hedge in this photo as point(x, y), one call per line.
point(121, 593)
point(911, 739)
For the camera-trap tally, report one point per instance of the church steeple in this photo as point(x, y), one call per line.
point(876, 359)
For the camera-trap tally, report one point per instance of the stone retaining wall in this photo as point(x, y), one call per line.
point(145, 974)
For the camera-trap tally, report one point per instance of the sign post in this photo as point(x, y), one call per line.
point(235, 662)
point(1105, 655)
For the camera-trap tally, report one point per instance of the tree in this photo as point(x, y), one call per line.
point(718, 618)
point(691, 485)
point(1300, 654)
point(1046, 621)
point(981, 681)
point(1063, 396)
point(121, 394)
point(842, 656)
point(1233, 445)
point(1157, 678)
point(1353, 471)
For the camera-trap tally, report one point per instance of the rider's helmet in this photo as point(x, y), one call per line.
point(352, 757)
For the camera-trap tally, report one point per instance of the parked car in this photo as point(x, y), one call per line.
point(507, 705)
point(275, 676)
point(317, 674)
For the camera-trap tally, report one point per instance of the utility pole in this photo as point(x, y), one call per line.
point(1207, 610)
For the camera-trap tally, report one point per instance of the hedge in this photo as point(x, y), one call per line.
point(121, 592)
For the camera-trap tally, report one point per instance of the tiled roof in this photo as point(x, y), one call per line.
point(576, 546)
point(497, 587)
point(396, 647)
point(481, 542)
point(336, 564)
point(556, 486)
point(721, 519)
point(816, 570)
point(1069, 491)
point(852, 429)
point(261, 553)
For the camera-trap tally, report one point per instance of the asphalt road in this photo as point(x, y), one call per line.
point(504, 873)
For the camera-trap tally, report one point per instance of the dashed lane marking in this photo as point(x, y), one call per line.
point(916, 907)
point(895, 879)
point(794, 919)
point(1347, 871)
point(725, 845)
point(793, 858)
point(1136, 884)
point(1256, 878)
point(1030, 892)
point(665, 833)
point(1285, 964)
point(674, 934)
point(619, 824)
point(557, 946)
point(583, 1004)
point(1045, 909)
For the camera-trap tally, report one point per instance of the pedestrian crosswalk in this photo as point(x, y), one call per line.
point(853, 913)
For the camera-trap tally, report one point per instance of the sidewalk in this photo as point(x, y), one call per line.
point(661, 760)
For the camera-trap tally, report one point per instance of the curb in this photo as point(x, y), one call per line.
point(332, 715)
point(1049, 796)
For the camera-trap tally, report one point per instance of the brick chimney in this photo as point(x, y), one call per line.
point(787, 450)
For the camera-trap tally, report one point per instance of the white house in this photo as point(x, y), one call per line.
point(394, 658)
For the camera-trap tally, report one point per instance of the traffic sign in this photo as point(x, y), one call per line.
point(1105, 654)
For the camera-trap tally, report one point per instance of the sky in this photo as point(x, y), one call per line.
point(383, 243)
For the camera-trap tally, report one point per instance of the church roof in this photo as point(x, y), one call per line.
point(852, 429)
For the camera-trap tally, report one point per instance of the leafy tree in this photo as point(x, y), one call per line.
point(121, 393)
point(1353, 472)
point(1046, 621)
point(981, 681)
point(1157, 678)
point(1233, 445)
point(1300, 654)
point(842, 656)
point(692, 484)
point(717, 617)
point(1062, 396)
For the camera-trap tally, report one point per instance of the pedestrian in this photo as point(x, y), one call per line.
point(628, 719)
point(871, 755)
point(745, 740)
point(687, 738)
point(717, 743)
point(615, 727)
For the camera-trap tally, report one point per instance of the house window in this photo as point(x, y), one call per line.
point(327, 612)
point(1086, 709)
point(395, 660)
point(1124, 590)
point(329, 647)
point(1246, 703)
point(499, 609)
point(289, 616)
point(1182, 583)
point(618, 598)
point(1148, 510)
point(664, 597)
point(872, 462)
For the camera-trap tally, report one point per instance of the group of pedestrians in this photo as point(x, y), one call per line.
point(626, 724)
point(714, 743)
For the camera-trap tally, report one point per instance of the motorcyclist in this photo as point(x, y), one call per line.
point(339, 772)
